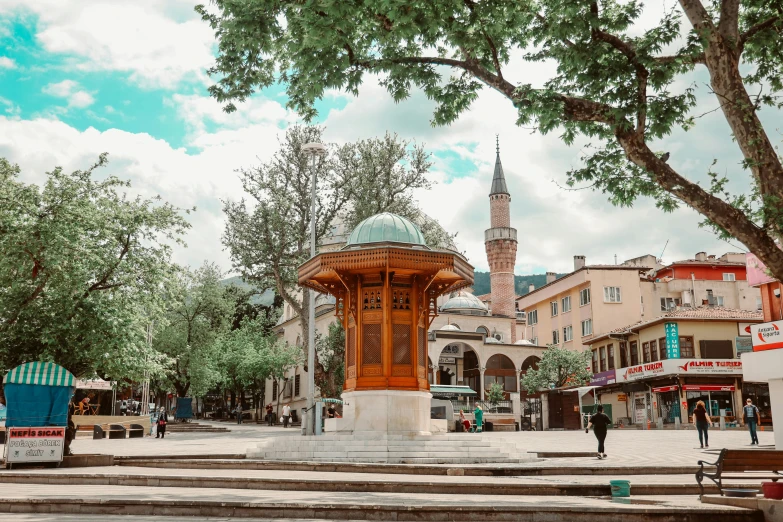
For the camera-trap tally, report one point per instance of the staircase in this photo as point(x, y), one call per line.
point(390, 448)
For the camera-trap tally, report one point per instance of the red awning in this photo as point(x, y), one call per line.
point(664, 389)
point(707, 387)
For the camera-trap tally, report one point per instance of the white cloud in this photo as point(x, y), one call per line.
point(69, 89)
point(158, 43)
point(7, 63)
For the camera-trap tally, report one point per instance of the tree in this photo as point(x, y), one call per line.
point(615, 84)
point(83, 270)
point(331, 353)
point(269, 238)
point(200, 310)
point(495, 394)
point(558, 367)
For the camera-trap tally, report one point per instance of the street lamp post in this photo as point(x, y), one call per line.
point(314, 150)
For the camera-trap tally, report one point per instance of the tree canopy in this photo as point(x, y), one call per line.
point(83, 270)
point(558, 367)
point(618, 83)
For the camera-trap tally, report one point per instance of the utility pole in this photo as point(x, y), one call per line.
point(314, 150)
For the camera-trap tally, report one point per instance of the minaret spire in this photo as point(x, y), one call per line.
point(498, 179)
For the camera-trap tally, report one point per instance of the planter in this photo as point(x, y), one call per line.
point(772, 490)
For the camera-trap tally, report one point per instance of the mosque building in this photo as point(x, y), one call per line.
point(473, 341)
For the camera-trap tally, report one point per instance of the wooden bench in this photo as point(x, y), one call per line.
point(756, 464)
point(110, 431)
point(504, 425)
point(135, 431)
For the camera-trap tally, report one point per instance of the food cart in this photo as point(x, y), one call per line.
point(38, 394)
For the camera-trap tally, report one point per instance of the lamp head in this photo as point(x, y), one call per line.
point(314, 148)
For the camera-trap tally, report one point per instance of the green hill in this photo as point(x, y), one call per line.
point(521, 282)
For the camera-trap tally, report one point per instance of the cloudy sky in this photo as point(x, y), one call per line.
point(128, 78)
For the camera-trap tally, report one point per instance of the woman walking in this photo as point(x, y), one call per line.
point(702, 421)
point(163, 419)
point(599, 423)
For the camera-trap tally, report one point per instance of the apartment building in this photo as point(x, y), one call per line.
point(592, 299)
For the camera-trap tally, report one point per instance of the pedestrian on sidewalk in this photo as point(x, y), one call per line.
point(478, 415)
point(163, 419)
point(238, 411)
point(270, 414)
point(752, 420)
point(599, 422)
point(286, 415)
point(702, 421)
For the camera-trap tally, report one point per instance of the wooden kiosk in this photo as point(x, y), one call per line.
point(386, 281)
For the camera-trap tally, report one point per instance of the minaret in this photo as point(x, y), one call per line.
point(501, 244)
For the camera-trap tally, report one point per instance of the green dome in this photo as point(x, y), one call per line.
point(386, 227)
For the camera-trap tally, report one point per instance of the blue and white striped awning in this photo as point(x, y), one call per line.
point(41, 373)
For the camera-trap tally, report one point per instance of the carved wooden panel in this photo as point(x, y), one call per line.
point(401, 371)
point(422, 348)
point(351, 346)
point(351, 373)
point(371, 344)
point(422, 372)
point(372, 317)
point(401, 344)
point(370, 371)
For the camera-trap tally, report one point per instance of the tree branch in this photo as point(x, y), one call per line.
point(728, 25)
point(769, 22)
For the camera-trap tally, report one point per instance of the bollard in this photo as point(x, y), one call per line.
point(659, 423)
point(723, 423)
point(677, 423)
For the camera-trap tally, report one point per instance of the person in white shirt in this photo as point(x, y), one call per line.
point(286, 415)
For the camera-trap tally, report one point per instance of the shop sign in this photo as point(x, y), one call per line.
point(709, 367)
point(641, 371)
point(664, 389)
point(43, 444)
point(767, 336)
point(447, 360)
point(744, 344)
point(707, 387)
point(452, 349)
point(672, 340)
point(621, 397)
point(603, 378)
point(744, 329)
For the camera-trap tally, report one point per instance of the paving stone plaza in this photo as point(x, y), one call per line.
point(205, 476)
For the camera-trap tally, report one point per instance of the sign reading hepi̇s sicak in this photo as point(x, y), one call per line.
point(767, 336)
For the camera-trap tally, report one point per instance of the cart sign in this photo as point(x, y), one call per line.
point(35, 444)
point(672, 341)
point(767, 336)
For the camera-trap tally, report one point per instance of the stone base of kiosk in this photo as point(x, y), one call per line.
point(389, 426)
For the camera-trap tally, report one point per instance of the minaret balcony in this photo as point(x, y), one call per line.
point(500, 233)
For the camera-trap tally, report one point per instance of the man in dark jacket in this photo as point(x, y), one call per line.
point(163, 419)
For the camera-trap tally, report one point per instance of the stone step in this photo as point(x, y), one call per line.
point(270, 504)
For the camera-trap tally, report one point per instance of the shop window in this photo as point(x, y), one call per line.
point(662, 348)
point(610, 355)
point(623, 354)
point(653, 351)
point(646, 352)
point(634, 353)
point(602, 352)
point(595, 361)
point(686, 348)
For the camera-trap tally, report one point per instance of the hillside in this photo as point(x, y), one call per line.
point(265, 299)
point(521, 282)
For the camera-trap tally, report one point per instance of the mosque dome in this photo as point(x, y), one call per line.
point(386, 227)
point(491, 340)
point(452, 327)
point(464, 302)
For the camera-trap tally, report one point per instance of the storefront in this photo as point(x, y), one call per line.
point(758, 392)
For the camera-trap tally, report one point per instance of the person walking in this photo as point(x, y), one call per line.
point(163, 419)
point(286, 415)
point(599, 422)
point(238, 411)
point(478, 415)
point(752, 420)
point(702, 421)
point(270, 414)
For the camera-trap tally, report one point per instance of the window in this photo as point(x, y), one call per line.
point(729, 277)
point(553, 305)
point(595, 361)
point(602, 351)
point(612, 294)
point(610, 355)
point(296, 385)
point(623, 355)
point(634, 353)
point(274, 390)
point(532, 317)
point(669, 303)
point(566, 304)
point(662, 347)
point(686, 348)
point(555, 337)
point(653, 351)
point(483, 330)
point(646, 352)
point(587, 327)
point(719, 300)
point(534, 340)
point(759, 303)
point(584, 296)
point(568, 334)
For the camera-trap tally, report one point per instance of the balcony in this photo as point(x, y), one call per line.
point(500, 233)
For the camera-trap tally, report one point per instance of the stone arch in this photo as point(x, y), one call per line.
point(483, 330)
point(531, 362)
point(501, 370)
